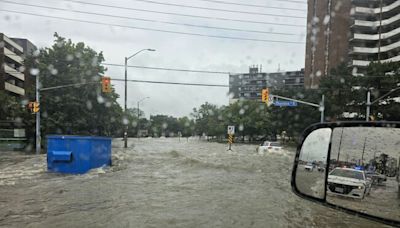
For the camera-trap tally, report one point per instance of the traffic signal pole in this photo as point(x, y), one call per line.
point(38, 89)
point(320, 106)
point(38, 137)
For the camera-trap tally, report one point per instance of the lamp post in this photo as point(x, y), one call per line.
point(126, 90)
point(138, 116)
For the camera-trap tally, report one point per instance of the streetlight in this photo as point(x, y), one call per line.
point(126, 80)
point(138, 116)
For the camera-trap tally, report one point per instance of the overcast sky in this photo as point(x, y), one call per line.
point(173, 50)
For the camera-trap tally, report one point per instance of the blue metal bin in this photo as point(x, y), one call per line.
point(77, 154)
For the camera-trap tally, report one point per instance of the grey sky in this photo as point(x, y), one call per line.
point(316, 145)
point(173, 50)
point(377, 141)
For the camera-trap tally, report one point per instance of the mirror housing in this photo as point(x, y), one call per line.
point(318, 162)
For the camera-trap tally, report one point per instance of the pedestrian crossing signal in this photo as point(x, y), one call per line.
point(106, 85)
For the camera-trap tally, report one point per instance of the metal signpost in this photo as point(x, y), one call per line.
point(231, 133)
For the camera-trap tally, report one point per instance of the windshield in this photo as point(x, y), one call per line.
point(347, 173)
point(184, 113)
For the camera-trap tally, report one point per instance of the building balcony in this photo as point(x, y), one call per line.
point(11, 71)
point(374, 24)
point(14, 89)
point(378, 9)
point(359, 36)
point(13, 44)
point(375, 50)
point(364, 63)
point(13, 56)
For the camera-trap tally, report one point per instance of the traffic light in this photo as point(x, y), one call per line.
point(106, 84)
point(30, 106)
point(36, 107)
point(264, 95)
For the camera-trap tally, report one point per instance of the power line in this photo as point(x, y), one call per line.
point(154, 30)
point(184, 15)
point(145, 67)
point(250, 5)
point(147, 20)
point(294, 1)
point(168, 69)
point(220, 10)
point(171, 83)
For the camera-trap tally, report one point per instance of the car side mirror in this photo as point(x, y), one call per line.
point(351, 166)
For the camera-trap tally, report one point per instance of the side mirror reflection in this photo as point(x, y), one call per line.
point(310, 174)
point(355, 168)
point(364, 170)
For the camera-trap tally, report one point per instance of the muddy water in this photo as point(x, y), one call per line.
point(163, 183)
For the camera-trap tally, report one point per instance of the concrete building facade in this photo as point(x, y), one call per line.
point(11, 59)
point(14, 78)
point(248, 86)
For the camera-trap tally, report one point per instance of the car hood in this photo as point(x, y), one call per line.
point(345, 180)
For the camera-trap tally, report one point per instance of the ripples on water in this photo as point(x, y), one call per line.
point(163, 183)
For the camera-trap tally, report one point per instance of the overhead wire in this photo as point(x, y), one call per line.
point(147, 20)
point(171, 83)
point(219, 10)
point(147, 67)
point(152, 29)
point(250, 5)
point(167, 69)
point(184, 15)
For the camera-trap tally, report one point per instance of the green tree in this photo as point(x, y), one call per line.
point(75, 110)
point(186, 126)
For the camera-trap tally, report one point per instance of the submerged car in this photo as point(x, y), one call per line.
point(348, 182)
point(268, 146)
point(309, 166)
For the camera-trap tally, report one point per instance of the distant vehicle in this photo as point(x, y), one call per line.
point(268, 146)
point(376, 177)
point(320, 169)
point(348, 182)
point(309, 166)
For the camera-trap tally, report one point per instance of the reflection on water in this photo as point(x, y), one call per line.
point(163, 183)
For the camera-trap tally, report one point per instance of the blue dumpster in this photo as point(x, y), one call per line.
point(77, 154)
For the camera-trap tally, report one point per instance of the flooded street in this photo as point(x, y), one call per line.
point(163, 183)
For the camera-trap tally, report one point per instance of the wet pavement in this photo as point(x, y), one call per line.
point(163, 183)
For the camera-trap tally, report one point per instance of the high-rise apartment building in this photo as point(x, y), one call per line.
point(352, 32)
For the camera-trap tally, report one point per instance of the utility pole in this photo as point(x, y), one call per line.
point(322, 108)
point(126, 92)
point(38, 137)
point(138, 120)
point(125, 100)
point(368, 106)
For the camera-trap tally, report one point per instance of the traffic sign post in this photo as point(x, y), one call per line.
point(231, 133)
